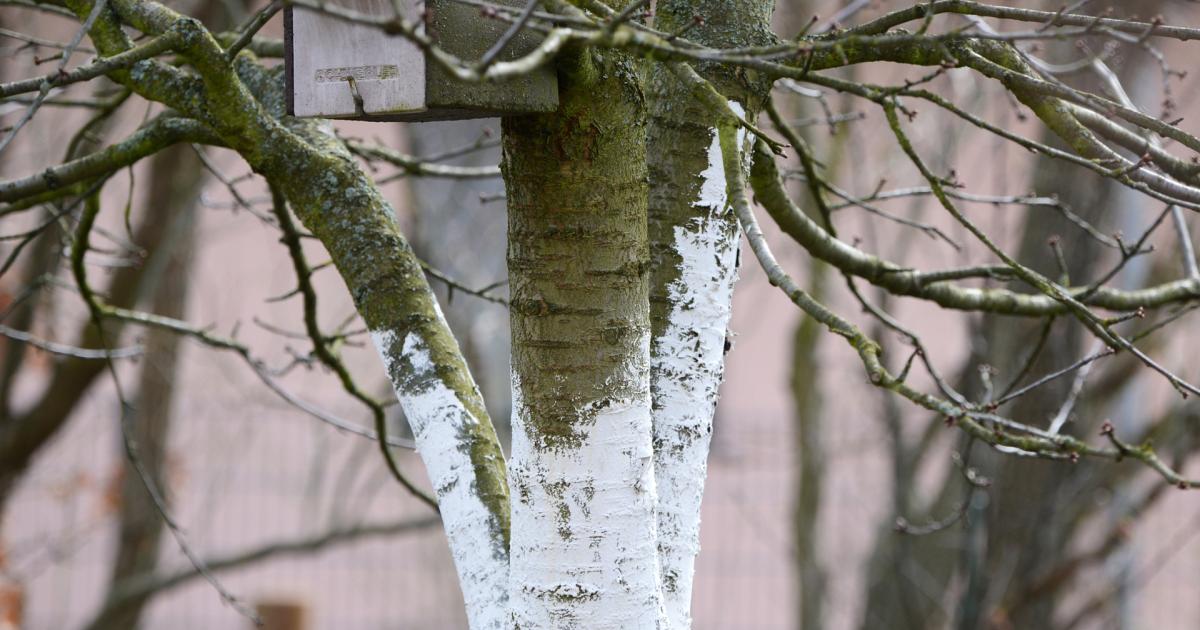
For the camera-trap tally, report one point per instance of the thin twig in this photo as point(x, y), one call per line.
point(260, 20)
point(510, 33)
point(97, 9)
point(70, 351)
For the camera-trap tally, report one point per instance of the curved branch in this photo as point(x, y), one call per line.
point(160, 133)
point(997, 431)
point(933, 286)
point(140, 587)
point(1052, 18)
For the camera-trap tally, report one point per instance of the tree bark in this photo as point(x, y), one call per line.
point(583, 545)
point(693, 266)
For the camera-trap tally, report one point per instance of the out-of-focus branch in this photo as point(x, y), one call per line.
point(1051, 18)
point(416, 166)
point(69, 351)
point(152, 48)
point(140, 587)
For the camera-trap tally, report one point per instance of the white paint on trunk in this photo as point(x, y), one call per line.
point(583, 526)
point(438, 420)
point(688, 365)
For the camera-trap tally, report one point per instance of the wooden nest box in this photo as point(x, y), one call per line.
point(342, 69)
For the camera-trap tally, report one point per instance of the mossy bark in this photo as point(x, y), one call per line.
point(455, 436)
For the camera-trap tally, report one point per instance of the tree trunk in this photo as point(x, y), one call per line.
point(693, 266)
point(583, 545)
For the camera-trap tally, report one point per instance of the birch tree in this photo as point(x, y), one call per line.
point(625, 210)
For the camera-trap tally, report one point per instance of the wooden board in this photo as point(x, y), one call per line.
point(461, 31)
point(325, 53)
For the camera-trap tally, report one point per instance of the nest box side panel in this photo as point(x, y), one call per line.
point(339, 69)
point(459, 29)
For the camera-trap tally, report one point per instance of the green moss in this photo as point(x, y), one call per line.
point(577, 246)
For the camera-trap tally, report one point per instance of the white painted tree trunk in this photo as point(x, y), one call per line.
point(605, 520)
point(439, 420)
point(688, 365)
point(605, 477)
point(584, 542)
point(583, 521)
